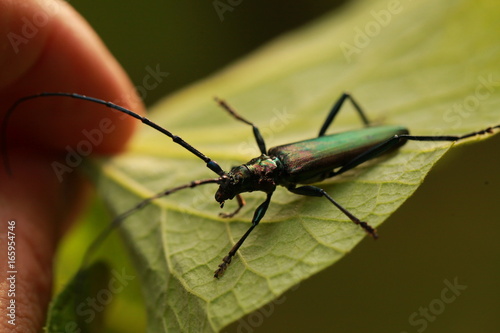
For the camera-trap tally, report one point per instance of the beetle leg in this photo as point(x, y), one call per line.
point(241, 203)
point(400, 139)
point(336, 108)
point(257, 216)
point(319, 192)
point(256, 132)
point(452, 138)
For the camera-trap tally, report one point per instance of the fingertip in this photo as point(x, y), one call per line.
point(64, 55)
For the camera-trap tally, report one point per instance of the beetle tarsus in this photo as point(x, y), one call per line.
point(371, 231)
point(241, 203)
point(222, 267)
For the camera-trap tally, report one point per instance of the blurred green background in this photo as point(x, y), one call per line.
point(189, 40)
point(381, 284)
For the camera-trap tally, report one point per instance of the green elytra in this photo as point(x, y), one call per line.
point(289, 165)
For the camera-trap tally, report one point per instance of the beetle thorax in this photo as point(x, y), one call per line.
point(259, 174)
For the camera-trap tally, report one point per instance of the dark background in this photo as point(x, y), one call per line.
point(187, 39)
point(379, 285)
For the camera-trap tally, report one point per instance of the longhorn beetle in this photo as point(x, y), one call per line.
point(289, 165)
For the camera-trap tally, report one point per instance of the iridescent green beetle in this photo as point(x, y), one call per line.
point(289, 165)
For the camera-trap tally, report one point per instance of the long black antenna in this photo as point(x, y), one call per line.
point(212, 165)
point(118, 220)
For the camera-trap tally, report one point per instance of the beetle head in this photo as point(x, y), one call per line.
point(235, 182)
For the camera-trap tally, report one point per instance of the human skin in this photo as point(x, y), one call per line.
point(47, 46)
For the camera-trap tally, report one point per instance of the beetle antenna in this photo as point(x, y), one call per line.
point(117, 221)
point(212, 165)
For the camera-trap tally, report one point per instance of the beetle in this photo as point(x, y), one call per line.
point(293, 166)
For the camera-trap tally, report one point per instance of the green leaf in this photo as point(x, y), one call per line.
point(431, 66)
point(70, 311)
